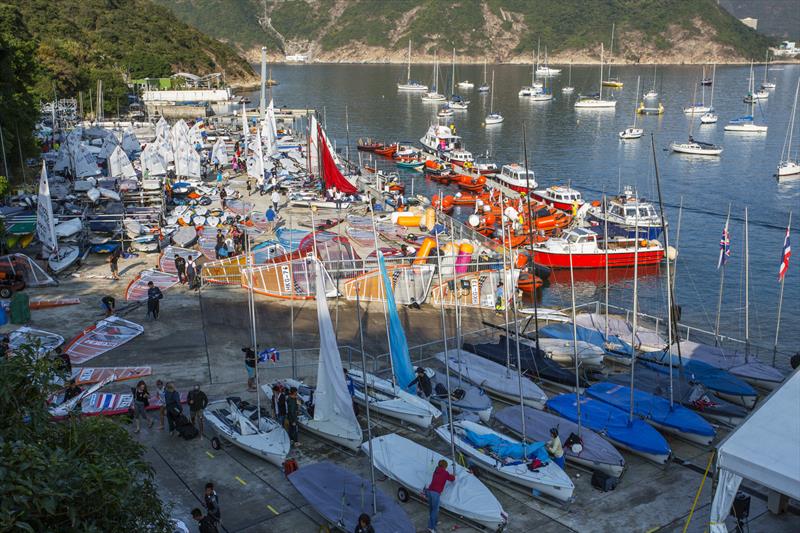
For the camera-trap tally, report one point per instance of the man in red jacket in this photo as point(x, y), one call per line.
point(434, 492)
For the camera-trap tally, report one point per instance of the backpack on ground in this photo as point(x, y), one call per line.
point(289, 466)
point(186, 429)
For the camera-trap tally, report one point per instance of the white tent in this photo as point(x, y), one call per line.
point(765, 449)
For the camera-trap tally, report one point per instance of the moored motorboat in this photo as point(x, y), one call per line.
point(628, 216)
point(581, 249)
point(561, 197)
point(516, 177)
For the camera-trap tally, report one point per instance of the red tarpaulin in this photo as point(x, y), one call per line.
point(330, 172)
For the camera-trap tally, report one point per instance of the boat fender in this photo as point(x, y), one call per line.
point(474, 221)
point(643, 243)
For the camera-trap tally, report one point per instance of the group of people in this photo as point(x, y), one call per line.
point(188, 271)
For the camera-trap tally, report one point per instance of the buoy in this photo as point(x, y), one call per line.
point(672, 253)
point(474, 221)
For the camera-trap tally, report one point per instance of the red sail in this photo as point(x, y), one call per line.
point(330, 172)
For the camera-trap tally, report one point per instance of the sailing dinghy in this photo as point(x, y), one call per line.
point(586, 448)
point(494, 378)
point(238, 422)
point(656, 411)
point(412, 465)
point(633, 435)
point(58, 257)
point(509, 459)
point(340, 497)
point(464, 396)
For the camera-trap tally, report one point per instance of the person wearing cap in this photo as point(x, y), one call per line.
point(554, 448)
point(425, 388)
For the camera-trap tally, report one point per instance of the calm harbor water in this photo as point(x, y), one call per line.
point(582, 148)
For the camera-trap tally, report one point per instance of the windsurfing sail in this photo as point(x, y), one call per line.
point(89, 375)
point(166, 261)
point(220, 152)
point(401, 360)
point(119, 166)
point(162, 128)
point(410, 284)
point(292, 280)
point(332, 403)
point(45, 226)
point(100, 338)
point(22, 265)
point(129, 141)
point(255, 163)
point(137, 288)
point(330, 172)
point(39, 340)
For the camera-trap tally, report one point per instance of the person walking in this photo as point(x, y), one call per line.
point(270, 215)
point(276, 200)
point(197, 401)
point(554, 448)
point(154, 296)
point(141, 400)
point(223, 196)
point(293, 414)
point(364, 524)
point(113, 262)
point(191, 272)
point(172, 400)
point(205, 523)
point(211, 503)
point(250, 365)
point(180, 266)
point(161, 392)
point(434, 492)
point(109, 304)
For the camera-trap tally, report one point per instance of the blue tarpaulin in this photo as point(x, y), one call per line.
point(507, 449)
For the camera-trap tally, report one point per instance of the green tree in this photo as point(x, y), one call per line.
point(84, 474)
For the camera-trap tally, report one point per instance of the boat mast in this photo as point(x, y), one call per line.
point(766, 65)
point(530, 234)
point(610, 52)
point(635, 100)
point(574, 340)
point(665, 231)
point(569, 83)
point(746, 288)
point(780, 303)
point(721, 267)
point(635, 306)
point(291, 307)
point(366, 399)
point(519, 359)
point(446, 356)
point(503, 280)
point(491, 96)
point(251, 309)
point(703, 87)
point(383, 299)
point(484, 72)
point(787, 146)
point(601, 71)
point(713, 81)
point(453, 76)
point(408, 70)
point(533, 69)
point(605, 248)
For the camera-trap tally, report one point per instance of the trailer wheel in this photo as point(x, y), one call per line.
point(402, 494)
point(5, 292)
point(215, 443)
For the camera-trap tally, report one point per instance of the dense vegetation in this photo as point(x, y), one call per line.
point(444, 24)
point(83, 474)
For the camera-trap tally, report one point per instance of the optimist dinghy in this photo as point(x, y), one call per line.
point(582, 446)
point(656, 411)
point(494, 378)
point(562, 351)
point(238, 422)
point(635, 436)
point(340, 497)
point(412, 465)
point(506, 458)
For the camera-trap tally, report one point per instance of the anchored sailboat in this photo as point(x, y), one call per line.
point(410, 85)
point(633, 132)
point(789, 164)
point(590, 102)
point(493, 117)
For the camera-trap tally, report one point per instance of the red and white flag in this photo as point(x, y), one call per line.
point(787, 253)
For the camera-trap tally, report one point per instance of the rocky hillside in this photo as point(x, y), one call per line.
point(664, 31)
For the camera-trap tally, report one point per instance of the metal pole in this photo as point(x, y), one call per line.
point(519, 363)
point(366, 399)
point(291, 305)
point(746, 288)
point(530, 231)
point(3, 147)
point(263, 102)
point(635, 309)
point(780, 298)
point(21, 160)
point(446, 358)
point(575, 341)
point(721, 279)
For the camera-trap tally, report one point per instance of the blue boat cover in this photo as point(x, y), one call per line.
point(340, 496)
point(651, 407)
point(592, 336)
point(401, 360)
point(612, 422)
point(716, 379)
point(507, 449)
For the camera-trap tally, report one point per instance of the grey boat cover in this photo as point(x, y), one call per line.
point(537, 428)
point(646, 339)
point(467, 396)
point(340, 496)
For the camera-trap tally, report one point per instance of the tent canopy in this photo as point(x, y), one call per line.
point(764, 448)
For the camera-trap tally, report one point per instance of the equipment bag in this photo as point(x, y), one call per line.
point(289, 466)
point(603, 481)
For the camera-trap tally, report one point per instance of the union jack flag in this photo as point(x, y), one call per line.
point(787, 253)
point(270, 354)
point(724, 248)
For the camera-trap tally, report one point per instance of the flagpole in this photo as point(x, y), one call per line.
point(780, 298)
point(746, 288)
point(721, 266)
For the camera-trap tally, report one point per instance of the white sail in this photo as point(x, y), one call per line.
point(272, 128)
point(162, 128)
point(182, 159)
point(245, 128)
point(109, 144)
point(220, 152)
point(194, 135)
point(255, 161)
point(332, 401)
point(62, 158)
point(165, 149)
point(84, 162)
point(130, 143)
point(152, 161)
point(178, 134)
point(45, 226)
point(195, 167)
point(119, 166)
point(313, 148)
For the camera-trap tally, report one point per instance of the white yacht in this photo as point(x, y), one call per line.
point(411, 85)
point(590, 102)
point(440, 139)
point(515, 177)
point(790, 166)
point(493, 117)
